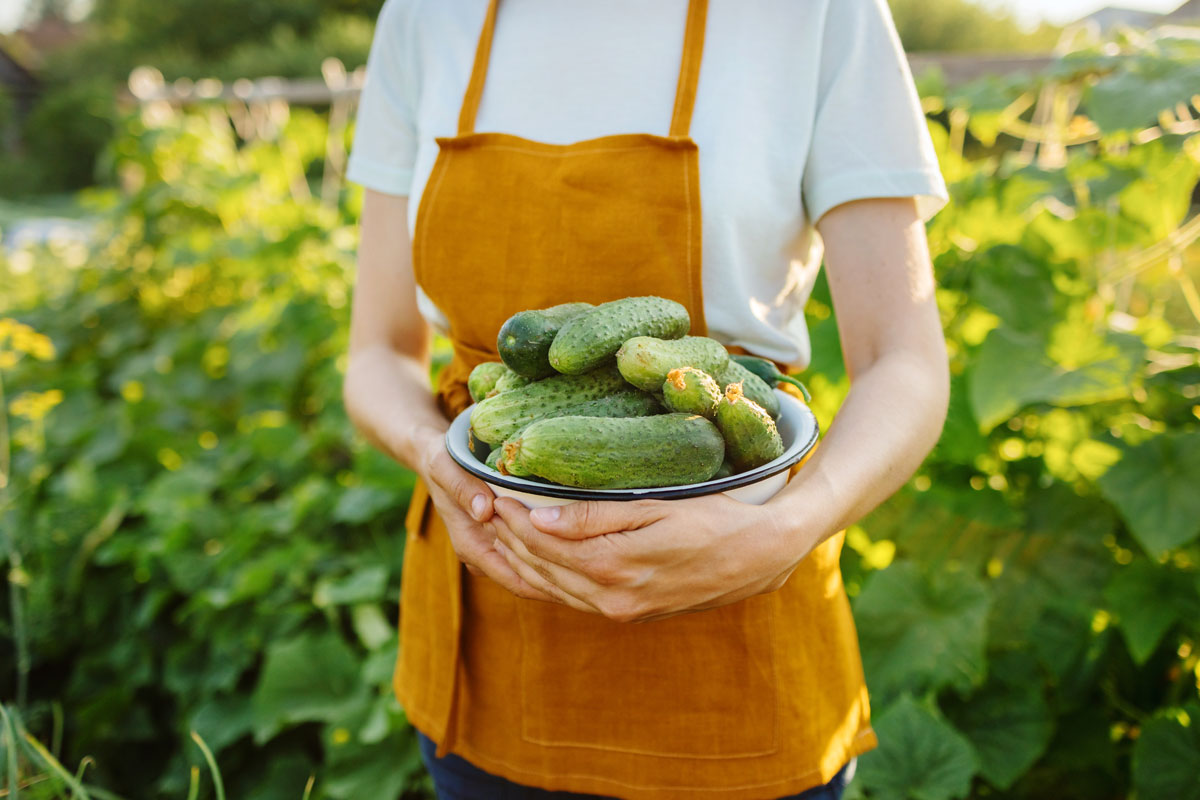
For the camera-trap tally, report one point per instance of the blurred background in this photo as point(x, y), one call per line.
point(202, 558)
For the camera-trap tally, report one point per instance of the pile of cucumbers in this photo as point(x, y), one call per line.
point(617, 396)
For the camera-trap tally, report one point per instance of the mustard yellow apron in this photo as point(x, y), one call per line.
point(759, 699)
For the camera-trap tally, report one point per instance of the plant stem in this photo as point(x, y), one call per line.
point(14, 559)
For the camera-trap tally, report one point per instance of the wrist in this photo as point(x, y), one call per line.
point(417, 445)
point(801, 517)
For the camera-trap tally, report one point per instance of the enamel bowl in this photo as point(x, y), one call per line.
point(796, 423)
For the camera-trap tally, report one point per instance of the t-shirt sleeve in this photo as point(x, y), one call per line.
point(870, 138)
point(385, 134)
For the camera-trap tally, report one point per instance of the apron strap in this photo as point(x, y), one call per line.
point(685, 91)
point(689, 68)
point(483, 53)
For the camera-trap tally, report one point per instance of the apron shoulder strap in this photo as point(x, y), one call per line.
point(689, 68)
point(685, 91)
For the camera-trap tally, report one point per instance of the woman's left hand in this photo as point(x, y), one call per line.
point(649, 559)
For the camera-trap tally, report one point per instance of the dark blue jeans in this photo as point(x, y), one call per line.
point(458, 779)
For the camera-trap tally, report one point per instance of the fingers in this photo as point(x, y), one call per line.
point(468, 492)
point(595, 518)
point(539, 582)
point(578, 555)
point(575, 589)
point(492, 564)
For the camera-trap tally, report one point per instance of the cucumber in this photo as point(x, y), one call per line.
point(751, 438)
point(524, 340)
point(500, 416)
point(590, 339)
point(630, 403)
point(492, 458)
point(479, 448)
point(691, 391)
point(483, 379)
point(770, 374)
point(645, 361)
point(725, 471)
point(508, 381)
point(753, 386)
point(619, 453)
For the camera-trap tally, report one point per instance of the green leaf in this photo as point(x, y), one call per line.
point(1166, 758)
point(1131, 97)
point(919, 756)
point(359, 504)
point(1154, 486)
point(1148, 599)
point(311, 677)
point(361, 586)
point(222, 720)
point(1015, 287)
point(1012, 371)
point(922, 631)
point(359, 770)
point(961, 440)
point(1010, 727)
point(373, 629)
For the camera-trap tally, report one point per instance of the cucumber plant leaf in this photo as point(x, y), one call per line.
point(919, 756)
point(922, 630)
point(1166, 758)
point(1154, 487)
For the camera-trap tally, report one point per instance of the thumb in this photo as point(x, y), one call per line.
point(469, 493)
point(593, 518)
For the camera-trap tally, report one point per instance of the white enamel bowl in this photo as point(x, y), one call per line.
point(796, 423)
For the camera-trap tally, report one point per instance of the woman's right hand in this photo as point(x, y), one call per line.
point(465, 505)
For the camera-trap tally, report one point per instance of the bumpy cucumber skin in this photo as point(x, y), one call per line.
point(630, 403)
point(688, 390)
point(482, 379)
point(645, 360)
point(500, 416)
point(525, 338)
point(753, 386)
point(751, 438)
point(620, 453)
point(508, 381)
point(592, 338)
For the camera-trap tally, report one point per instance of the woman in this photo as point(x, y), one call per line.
point(559, 151)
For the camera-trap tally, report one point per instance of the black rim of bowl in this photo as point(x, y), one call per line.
point(660, 493)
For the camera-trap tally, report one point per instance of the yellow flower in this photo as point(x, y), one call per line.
point(35, 405)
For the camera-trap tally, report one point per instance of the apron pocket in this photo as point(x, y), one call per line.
point(696, 686)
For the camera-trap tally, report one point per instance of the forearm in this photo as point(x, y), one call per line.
point(388, 398)
point(891, 419)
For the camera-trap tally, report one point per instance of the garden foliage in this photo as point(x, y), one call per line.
point(197, 541)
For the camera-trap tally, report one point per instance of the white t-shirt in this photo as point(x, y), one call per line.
point(802, 105)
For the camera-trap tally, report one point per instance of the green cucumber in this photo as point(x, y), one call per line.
point(478, 447)
point(725, 471)
point(509, 381)
point(645, 360)
point(500, 416)
point(619, 453)
point(770, 373)
point(482, 379)
point(751, 438)
point(590, 339)
point(630, 403)
point(753, 386)
point(525, 338)
point(691, 391)
point(492, 459)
